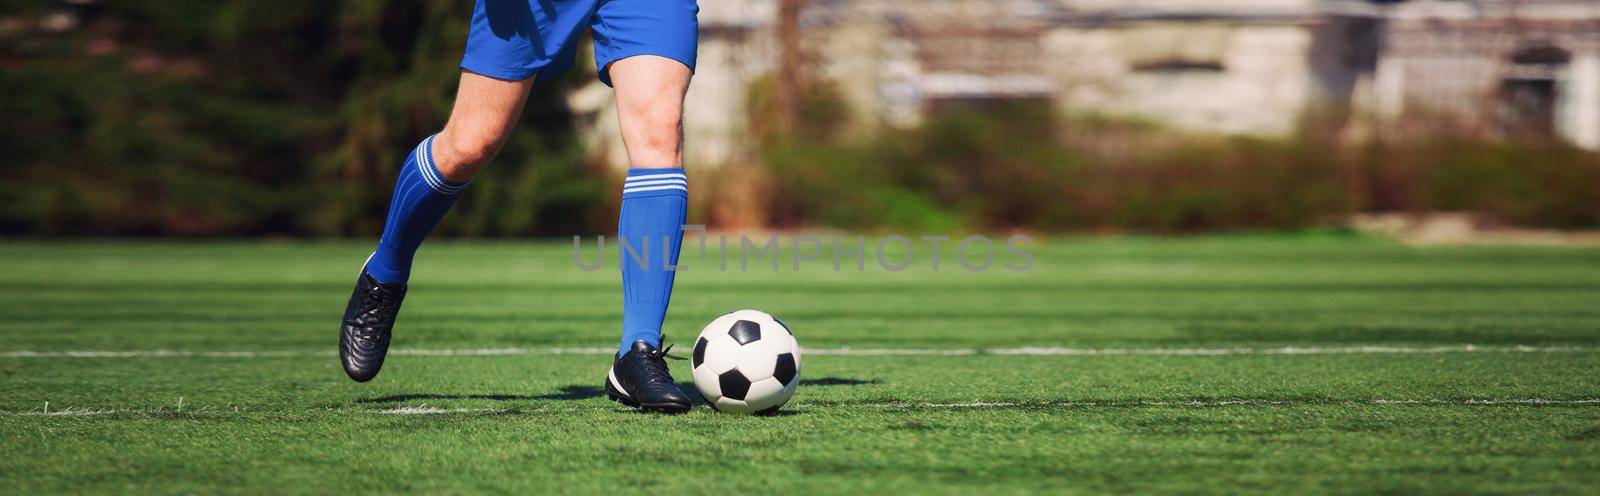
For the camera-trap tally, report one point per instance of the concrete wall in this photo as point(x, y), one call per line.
point(1262, 85)
point(1449, 60)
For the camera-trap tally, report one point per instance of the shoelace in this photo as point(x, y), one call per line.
point(658, 366)
point(376, 304)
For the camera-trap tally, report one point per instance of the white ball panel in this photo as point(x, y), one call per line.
point(777, 340)
point(765, 394)
point(731, 405)
point(718, 327)
point(722, 353)
point(706, 381)
point(756, 360)
point(796, 344)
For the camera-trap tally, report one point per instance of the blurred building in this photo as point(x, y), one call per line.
point(1254, 67)
point(1500, 67)
point(1189, 65)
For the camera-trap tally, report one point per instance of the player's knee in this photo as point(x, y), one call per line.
point(663, 133)
point(662, 141)
point(465, 155)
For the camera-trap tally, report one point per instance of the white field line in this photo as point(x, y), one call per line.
point(425, 410)
point(428, 410)
point(1299, 350)
point(1025, 351)
point(1238, 402)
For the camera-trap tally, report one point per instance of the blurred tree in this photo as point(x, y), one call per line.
point(255, 117)
point(790, 77)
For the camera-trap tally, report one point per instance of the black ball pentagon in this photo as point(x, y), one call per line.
point(784, 370)
point(783, 325)
point(734, 384)
point(745, 332)
point(700, 352)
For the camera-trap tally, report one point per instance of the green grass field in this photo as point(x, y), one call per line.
point(1150, 365)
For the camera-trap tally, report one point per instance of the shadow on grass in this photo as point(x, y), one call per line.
point(572, 392)
point(837, 381)
point(401, 398)
point(693, 392)
point(699, 400)
point(782, 412)
point(567, 393)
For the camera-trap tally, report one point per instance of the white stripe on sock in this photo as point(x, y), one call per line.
point(656, 183)
point(653, 188)
point(425, 168)
point(430, 174)
point(444, 186)
point(652, 177)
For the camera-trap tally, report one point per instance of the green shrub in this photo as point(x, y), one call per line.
point(1006, 167)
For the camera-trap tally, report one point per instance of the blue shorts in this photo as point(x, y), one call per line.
point(518, 39)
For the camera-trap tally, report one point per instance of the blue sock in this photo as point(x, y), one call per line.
point(421, 198)
point(651, 223)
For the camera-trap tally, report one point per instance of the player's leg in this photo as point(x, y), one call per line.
point(646, 50)
point(433, 176)
point(650, 92)
point(437, 171)
point(655, 195)
point(510, 44)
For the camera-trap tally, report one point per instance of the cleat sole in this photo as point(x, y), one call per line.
point(668, 408)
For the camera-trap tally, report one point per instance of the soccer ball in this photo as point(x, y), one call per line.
point(746, 362)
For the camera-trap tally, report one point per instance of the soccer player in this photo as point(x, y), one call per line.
point(644, 50)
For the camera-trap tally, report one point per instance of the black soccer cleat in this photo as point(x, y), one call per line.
point(639, 378)
point(368, 320)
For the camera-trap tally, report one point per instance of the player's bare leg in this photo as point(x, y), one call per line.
point(650, 91)
point(485, 112)
point(433, 177)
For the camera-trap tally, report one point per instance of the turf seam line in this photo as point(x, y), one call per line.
point(1021, 351)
